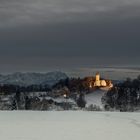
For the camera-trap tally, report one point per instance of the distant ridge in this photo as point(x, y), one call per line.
point(26, 79)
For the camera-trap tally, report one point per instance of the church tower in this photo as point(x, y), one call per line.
point(97, 80)
point(97, 76)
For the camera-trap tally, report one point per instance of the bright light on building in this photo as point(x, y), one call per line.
point(90, 85)
point(65, 96)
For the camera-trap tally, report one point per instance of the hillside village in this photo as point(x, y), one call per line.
point(90, 93)
point(63, 94)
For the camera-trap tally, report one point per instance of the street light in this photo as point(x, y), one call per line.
point(65, 102)
point(90, 85)
point(65, 96)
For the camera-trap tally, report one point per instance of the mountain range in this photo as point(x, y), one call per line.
point(26, 79)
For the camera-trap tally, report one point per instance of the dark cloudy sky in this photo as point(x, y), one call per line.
point(36, 35)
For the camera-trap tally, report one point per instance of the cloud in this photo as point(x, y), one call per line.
point(24, 12)
point(35, 34)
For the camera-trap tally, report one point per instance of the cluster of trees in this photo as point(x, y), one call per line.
point(10, 89)
point(21, 101)
point(78, 85)
point(81, 102)
point(73, 84)
point(123, 96)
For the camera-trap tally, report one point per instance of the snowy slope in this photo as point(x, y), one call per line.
point(95, 98)
point(69, 126)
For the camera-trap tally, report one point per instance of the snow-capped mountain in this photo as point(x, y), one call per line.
point(25, 79)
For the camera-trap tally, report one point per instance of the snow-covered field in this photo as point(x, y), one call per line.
point(78, 125)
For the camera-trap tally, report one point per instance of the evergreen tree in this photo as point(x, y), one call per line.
point(81, 101)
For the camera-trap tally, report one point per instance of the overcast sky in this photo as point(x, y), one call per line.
point(36, 35)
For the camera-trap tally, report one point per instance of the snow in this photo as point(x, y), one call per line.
point(95, 98)
point(61, 99)
point(70, 125)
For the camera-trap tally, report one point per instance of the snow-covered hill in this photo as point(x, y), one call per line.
point(95, 97)
point(25, 79)
point(77, 125)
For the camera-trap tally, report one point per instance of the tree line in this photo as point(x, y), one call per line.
point(124, 96)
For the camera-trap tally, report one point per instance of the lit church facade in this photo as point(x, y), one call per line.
point(100, 83)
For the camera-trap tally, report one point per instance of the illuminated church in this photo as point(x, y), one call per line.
point(100, 83)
